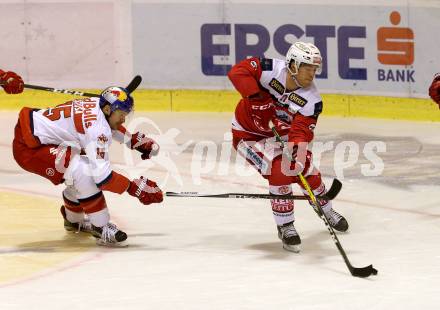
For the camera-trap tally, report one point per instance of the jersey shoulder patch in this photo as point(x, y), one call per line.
point(277, 86)
point(297, 99)
point(266, 64)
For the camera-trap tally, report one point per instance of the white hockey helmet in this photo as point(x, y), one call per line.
point(303, 52)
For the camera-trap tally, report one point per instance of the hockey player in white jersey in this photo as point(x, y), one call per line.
point(282, 92)
point(69, 144)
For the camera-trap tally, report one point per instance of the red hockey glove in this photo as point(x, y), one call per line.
point(11, 82)
point(145, 190)
point(434, 89)
point(262, 110)
point(148, 147)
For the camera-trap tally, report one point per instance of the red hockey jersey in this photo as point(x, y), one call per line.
point(295, 112)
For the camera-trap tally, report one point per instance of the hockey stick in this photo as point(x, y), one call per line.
point(330, 195)
point(60, 90)
point(131, 87)
point(362, 272)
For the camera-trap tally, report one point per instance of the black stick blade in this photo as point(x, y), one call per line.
point(137, 80)
point(363, 272)
point(333, 191)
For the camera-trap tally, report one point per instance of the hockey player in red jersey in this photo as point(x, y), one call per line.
point(11, 82)
point(434, 89)
point(69, 144)
point(281, 92)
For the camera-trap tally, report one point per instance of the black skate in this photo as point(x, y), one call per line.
point(109, 235)
point(84, 226)
point(289, 236)
point(336, 220)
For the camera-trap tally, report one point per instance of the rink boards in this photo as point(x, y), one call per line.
point(225, 101)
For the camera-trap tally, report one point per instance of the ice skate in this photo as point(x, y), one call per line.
point(84, 226)
point(109, 235)
point(336, 220)
point(290, 238)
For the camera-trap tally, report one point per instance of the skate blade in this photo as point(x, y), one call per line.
point(342, 231)
point(292, 248)
point(102, 243)
point(75, 231)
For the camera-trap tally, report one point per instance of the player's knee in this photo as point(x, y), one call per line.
point(78, 174)
point(70, 194)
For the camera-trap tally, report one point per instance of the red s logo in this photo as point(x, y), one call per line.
point(395, 45)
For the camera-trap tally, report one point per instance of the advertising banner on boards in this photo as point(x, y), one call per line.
point(375, 50)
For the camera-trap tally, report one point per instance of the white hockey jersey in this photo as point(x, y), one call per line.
point(82, 125)
point(273, 80)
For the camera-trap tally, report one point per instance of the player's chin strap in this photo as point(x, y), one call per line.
point(293, 75)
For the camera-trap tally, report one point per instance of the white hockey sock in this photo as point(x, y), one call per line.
point(282, 209)
point(282, 218)
point(74, 217)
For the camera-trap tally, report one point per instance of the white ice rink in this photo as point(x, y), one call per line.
point(204, 253)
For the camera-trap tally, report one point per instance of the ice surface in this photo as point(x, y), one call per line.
point(204, 253)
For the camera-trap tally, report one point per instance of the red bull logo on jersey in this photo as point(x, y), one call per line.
point(84, 114)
